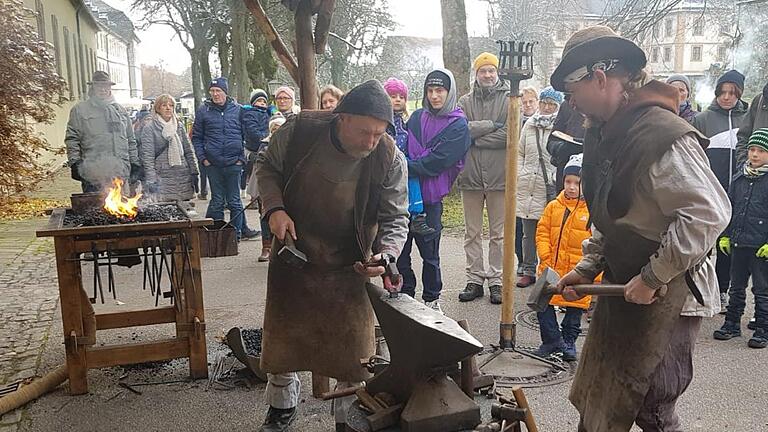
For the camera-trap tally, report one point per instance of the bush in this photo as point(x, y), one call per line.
point(29, 90)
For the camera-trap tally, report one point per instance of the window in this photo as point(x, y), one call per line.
point(68, 60)
point(696, 53)
point(698, 27)
point(40, 18)
point(722, 53)
point(668, 28)
point(56, 43)
point(655, 55)
point(667, 54)
point(725, 27)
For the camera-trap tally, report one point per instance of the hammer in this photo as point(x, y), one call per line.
point(290, 254)
point(546, 286)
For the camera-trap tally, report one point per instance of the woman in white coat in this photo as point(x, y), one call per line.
point(535, 178)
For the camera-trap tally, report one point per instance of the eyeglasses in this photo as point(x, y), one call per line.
point(283, 98)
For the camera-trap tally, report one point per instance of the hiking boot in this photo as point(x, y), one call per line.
point(752, 324)
point(759, 339)
point(471, 292)
point(526, 281)
point(547, 349)
point(419, 225)
point(723, 303)
point(250, 234)
point(435, 305)
point(569, 351)
point(495, 291)
point(729, 330)
point(278, 420)
point(202, 197)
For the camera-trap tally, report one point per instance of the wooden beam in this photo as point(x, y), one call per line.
point(166, 349)
point(323, 25)
point(70, 285)
point(135, 318)
point(268, 30)
point(305, 54)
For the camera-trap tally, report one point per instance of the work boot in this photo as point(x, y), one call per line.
point(250, 234)
point(759, 339)
point(569, 351)
point(434, 304)
point(341, 427)
point(202, 197)
point(495, 291)
point(419, 225)
point(547, 349)
point(278, 420)
point(471, 292)
point(266, 250)
point(526, 281)
point(723, 303)
point(752, 324)
point(729, 330)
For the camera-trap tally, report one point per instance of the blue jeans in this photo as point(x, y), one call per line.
point(744, 264)
point(429, 249)
point(225, 192)
point(550, 331)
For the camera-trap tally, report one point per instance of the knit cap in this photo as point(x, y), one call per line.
point(221, 83)
point(394, 86)
point(287, 90)
point(438, 78)
point(681, 78)
point(573, 167)
point(759, 138)
point(551, 93)
point(732, 76)
point(485, 59)
point(258, 94)
point(367, 99)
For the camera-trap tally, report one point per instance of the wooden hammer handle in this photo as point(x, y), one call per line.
point(608, 290)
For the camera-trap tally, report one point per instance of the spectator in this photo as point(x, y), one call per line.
point(683, 85)
point(255, 120)
point(757, 118)
point(170, 168)
point(720, 123)
point(438, 139)
point(747, 239)
point(330, 96)
point(100, 141)
point(285, 99)
point(218, 139)
point(483, 179)
point(529, 99)
point(535, 179)
point(571, 123)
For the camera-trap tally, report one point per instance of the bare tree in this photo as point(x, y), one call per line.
point(456, 42)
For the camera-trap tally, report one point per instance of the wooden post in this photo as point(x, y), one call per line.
point(305, 54)
point(320, 385)
point(507, 327)
point(198, 355)
point(70, 285)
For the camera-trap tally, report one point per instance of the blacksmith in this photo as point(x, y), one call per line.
point(335, 183)
point(657, 209)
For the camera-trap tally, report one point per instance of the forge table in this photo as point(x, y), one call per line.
point(182, 242)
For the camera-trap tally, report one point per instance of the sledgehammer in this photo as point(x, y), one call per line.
point(546, 286)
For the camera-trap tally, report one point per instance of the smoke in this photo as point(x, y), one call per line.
point(704, 92)
point(101, 169)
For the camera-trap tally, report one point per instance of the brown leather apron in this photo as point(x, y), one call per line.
point(319, 318)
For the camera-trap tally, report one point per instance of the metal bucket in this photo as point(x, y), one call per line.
point(82, 202)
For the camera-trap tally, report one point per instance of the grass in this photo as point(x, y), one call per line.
point(453, 214)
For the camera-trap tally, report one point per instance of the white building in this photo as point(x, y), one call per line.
point(116, 53)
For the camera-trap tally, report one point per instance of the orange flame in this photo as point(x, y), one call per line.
point(117, 205)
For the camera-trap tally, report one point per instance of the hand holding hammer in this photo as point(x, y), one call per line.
point(383, 265)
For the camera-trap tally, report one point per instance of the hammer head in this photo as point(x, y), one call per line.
point(291, 255)
point(543, 289)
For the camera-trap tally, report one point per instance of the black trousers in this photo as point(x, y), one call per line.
point(744, 264)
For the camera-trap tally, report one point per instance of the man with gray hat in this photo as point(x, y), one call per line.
point(647, 182)
point(100, 140)
point(333, 184)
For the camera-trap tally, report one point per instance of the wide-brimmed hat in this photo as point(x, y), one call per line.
point(596, 47)
point(100, 77)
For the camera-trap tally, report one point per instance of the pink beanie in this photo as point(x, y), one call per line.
point(287, 90)
point(396, 86)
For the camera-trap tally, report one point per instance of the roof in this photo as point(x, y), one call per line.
point(114, 19)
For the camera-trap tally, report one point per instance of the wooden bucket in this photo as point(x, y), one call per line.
point(218, 240)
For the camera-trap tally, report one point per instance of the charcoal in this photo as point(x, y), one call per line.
point(146, 213)
point(252, 340)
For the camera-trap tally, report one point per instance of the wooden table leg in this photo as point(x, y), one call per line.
point(70, 285)
point(193, 293)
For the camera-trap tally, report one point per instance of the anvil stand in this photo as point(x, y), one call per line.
point(507, 360)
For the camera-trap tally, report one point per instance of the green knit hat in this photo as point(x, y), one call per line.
point(759, 138)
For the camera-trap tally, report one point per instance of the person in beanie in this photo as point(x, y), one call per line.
point(334, 182)
point(99, 139)
point(683, 85)
point(535, 177)
point(746, 241)
point(656, 208)
point(285, 99)
point(217, 136)
point(483, 179)
point(757, 118)
point(720, 123)
point(562, 228)
point(438, 139)
point(568, 142)
point(398, 95)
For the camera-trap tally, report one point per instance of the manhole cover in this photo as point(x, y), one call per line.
point(528, 319)
point(515, 369)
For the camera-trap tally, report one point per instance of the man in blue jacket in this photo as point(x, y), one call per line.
point(218, 140)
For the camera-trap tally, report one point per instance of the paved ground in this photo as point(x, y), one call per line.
point(728, 393)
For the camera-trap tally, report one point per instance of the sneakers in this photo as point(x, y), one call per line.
point(435, 305)
point(419, 225)
point(278, 420)
point(495, 291)
point(250, 234)
point(526, 281)
point(569, 351)
point(729, 330)
point(723, 303)
point(471, 292)
point(548, 349)
point(752, 324)
point(759, 339)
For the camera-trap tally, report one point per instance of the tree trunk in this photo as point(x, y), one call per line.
point(239, 32)
point(197, 90)
point(305, 54)
point(222, 40)
point(456, 42)
point(203, 64)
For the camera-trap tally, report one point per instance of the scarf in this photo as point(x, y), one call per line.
point(686, 111)
point(543, 121)
point(751, 172)
point(170, 131)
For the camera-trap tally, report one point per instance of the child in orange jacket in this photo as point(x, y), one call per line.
point(559, 235)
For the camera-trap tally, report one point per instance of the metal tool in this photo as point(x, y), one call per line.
point(290, 254)
point(390, 270)
point(546, 286)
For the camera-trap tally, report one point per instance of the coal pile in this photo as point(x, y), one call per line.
point(252, 340)
point(147, 213)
